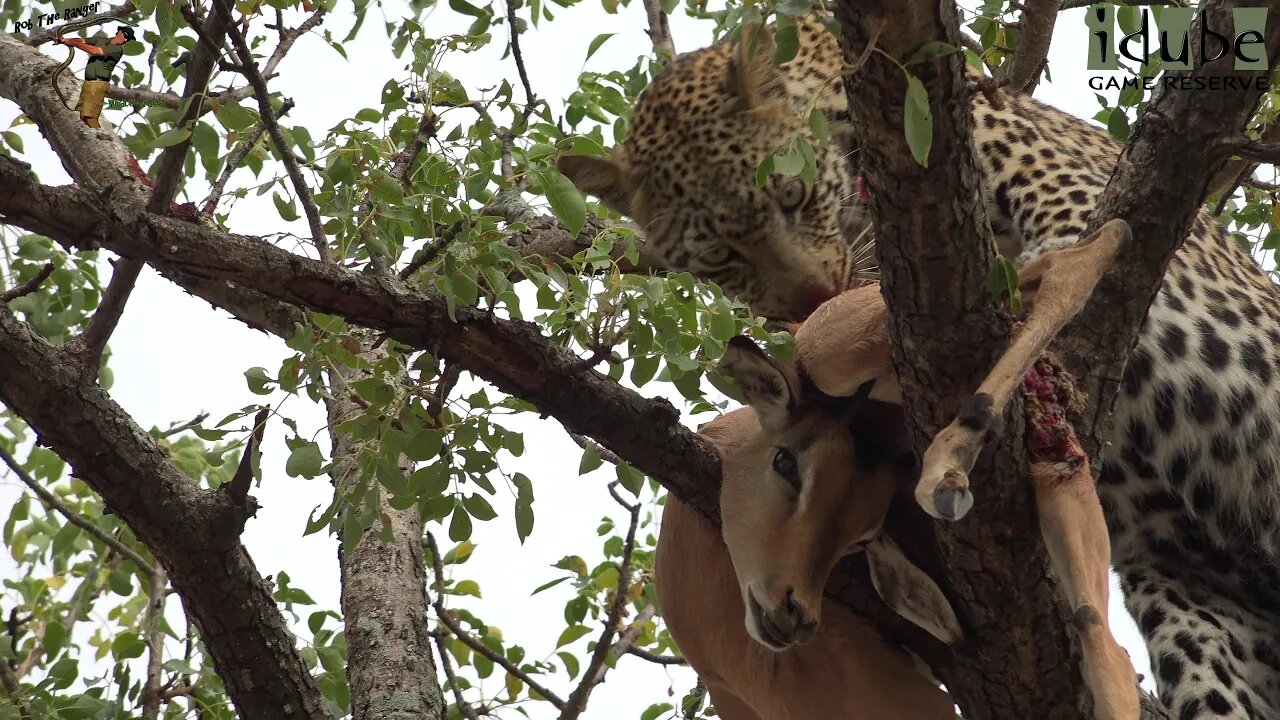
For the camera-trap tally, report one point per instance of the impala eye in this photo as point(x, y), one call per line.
point(790, 193)
point(784, 463)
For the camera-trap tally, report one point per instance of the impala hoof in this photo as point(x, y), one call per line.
point(952, 500)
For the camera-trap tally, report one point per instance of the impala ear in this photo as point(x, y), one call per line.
point(751, 72)
point(910, 592)
point(770, 388)
point(607, 177)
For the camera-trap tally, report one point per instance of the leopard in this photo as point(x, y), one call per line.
point(1189, 482)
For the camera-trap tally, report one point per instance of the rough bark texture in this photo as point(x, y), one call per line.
point(1020, 662)
point(512, 355)
point(1178, 145)
point(194, 533)
point(934, 255)
point(390, 669)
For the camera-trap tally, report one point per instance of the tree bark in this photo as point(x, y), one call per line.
point(1178, 145)
point(390, 667)
point(934, 252)
point(194, 533)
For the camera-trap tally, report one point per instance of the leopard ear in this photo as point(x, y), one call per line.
point(607, 177)
point(751, 73)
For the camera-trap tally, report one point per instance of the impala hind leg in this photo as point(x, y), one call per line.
point(1075, 535)
point(1058, 284)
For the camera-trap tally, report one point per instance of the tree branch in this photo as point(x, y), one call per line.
point(194, 533)
point(251, 73)
point(51, 501)
point(442, 614)
point(152, 695)
point(29, 286)
point(659, 30)
point(235, 158)
point(595, 672)
point(1032, 51)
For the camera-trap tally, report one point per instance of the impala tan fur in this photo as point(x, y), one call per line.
point(842, 669)
point(843, 345)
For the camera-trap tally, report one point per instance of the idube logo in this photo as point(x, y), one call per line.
point(1168, 39)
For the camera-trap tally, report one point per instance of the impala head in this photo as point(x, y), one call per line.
point(813, 486)
point(687, 173)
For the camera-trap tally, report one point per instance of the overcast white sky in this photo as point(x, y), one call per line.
point(174, 357)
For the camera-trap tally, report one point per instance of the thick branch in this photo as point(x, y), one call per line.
point(194, 533)
point(1032, 51)
point(1178, 145)
point(934, 253)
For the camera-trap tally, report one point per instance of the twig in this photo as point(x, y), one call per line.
point(263, 95)
point(235, 159)
point(451, 677)
point(89, 345)
point(400, 168)
point(152, 695)
point(11, 688)
point(432, 251)
point(656, 658)
point(181, 427)
point(605, 453)
point(52, 501)
point(29, 286)
point(529, 98)
point(239, 485)
point(691, 708)
point(596, 669)
point(659, 30)
point(497, 658)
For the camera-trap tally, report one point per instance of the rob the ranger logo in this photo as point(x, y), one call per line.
point(1173, 28)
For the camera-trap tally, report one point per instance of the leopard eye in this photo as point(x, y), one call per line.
point(715, 255)
point(790, 193)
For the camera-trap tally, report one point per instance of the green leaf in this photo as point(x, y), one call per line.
point(1118, 124)
point(369, 115)
point(460, 525)
point(918, 121)
point(120, 582)
point(466, 8)
point(425, 444)
point(286, 209)
point(63, 539)
point(1003, 280)
point(571, 633)
point(930, 50)
point(305, 461)
point(566, 202)
point(13, 139)
point(127, 645)
point(590, 460)
point(548, 585)
point(467, 587)
point(787, 41)
point(258, 379)
point(818, 124)
point(171, 137)
point(478, 507)
point(597, 42)
point(631, 479)
point(570, 663)
point(653, 712)
point(459, 554)
point(55, 638)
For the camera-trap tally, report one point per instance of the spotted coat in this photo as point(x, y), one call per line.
point(1189, 485)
